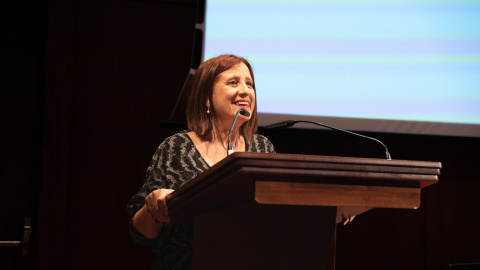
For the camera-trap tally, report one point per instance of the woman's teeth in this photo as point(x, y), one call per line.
point(242, 103)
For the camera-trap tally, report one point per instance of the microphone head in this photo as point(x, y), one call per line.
point(283, 124)
point(244, 112)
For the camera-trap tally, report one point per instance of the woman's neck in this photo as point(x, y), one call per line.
point(223, 136)
point(213, 147)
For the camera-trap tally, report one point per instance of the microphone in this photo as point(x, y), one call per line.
point(289, 123)
point(230, 146)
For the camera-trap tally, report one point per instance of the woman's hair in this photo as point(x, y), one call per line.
point(202, 90)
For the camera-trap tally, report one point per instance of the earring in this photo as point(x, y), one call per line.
point(208, 109)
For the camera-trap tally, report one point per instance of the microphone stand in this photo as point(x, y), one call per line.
point(289, 123)
point(230, 146)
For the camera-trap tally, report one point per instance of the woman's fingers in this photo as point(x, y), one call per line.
point(162, 206)
point(162, 202)
point(157, 205)
point(347, 218)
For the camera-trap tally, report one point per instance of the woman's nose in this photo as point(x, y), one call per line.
point(244, 88)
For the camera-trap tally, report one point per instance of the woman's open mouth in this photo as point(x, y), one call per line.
point(243, 104)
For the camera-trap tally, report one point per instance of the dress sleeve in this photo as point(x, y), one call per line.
point(261, 143)
point(269, 146)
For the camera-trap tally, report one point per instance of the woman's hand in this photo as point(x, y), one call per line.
point(346, 214)
point(147, 220)
point(347, 217)
point(156, 205)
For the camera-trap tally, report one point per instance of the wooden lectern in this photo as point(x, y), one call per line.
point(278, 211)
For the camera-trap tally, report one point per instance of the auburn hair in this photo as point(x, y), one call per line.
point(202, 90)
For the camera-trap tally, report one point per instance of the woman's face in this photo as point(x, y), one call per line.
point(232, 91)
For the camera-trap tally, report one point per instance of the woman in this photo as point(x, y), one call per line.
point(222, 86)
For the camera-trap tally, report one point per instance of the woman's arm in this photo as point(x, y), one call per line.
point(149, 218)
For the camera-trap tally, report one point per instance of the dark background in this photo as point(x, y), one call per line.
point(85, 86)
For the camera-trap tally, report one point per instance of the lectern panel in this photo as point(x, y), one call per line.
point(272, 192)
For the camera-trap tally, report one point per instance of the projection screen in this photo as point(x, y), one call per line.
point(402, 66)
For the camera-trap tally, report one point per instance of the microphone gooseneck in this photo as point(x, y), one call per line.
point(289, 123)
point(230, 146)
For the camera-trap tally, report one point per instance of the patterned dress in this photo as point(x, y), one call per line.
point(175, 162)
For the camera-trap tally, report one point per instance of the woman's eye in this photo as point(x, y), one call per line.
point(250, 84)
point(234, 83)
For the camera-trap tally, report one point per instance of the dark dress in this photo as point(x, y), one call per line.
point(175, 162)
